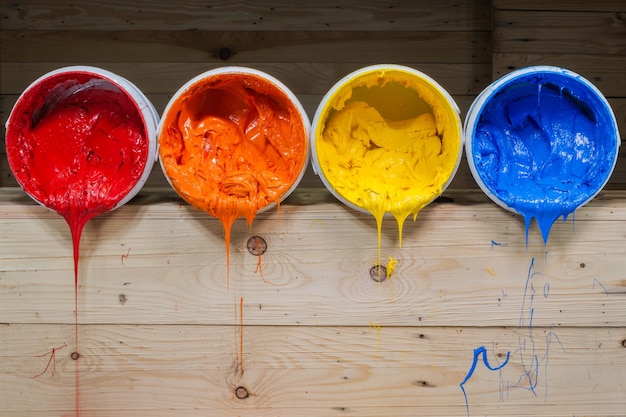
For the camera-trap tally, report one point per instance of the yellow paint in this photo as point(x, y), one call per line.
point(391, 266)
point(493, 274)
point(377, 327)
point(390, 141)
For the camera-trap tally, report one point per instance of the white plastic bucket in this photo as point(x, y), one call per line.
point(541, 141)
point(398, 93)
point(48, 91)
point(208, 82)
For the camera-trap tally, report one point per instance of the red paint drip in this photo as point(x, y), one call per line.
point(77, 146)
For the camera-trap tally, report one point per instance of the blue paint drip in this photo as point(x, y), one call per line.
point(481, 351)
point(543, 144)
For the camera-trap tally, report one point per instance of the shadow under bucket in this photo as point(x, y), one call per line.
point(541, 142)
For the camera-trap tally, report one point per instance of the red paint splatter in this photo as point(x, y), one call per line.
point(125, 256)
point(51, 361)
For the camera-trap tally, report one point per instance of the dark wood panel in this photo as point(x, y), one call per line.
point(607, 72)
point(243, 46)
point(570, 5)
point(302, 78)
point(559, 32)
point(443, 15)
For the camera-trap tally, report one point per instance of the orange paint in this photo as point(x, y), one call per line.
point(239, 336)
point(233, 143)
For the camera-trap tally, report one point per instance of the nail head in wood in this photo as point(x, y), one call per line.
point(256, 245)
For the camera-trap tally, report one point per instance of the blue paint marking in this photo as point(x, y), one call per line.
point(530, 357)
point(494, 243)
point(595, 280)
point(481, 351)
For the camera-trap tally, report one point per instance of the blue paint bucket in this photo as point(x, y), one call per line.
point(541, 142)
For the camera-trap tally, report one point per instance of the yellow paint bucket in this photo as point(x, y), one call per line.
point(386, 139)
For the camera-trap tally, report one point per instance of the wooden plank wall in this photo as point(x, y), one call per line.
point(473, 321)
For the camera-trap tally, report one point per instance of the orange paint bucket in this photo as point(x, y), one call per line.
point(233, 142)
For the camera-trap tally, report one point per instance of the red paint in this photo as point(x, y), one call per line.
point(78, 147)
point(51, 361)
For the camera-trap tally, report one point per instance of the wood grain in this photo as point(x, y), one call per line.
point(168, 261)
point(444, 15)
point(159, 328)
point(311, 370)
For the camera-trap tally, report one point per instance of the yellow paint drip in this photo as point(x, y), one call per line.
point(388, 141)
point(391, 266)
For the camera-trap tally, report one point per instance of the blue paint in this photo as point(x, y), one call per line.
point(595, 280)
point(494, 243)
point(531, 357)
point(481, 351)
point(541, 142)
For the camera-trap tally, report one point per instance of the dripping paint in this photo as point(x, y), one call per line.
point(233, 142)
point(386, 139)
point(541, 141)
point(81, 141)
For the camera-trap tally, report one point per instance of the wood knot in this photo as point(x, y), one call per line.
point(224, 53)
point(75, 356)
point(624, 343)
point(256, 245)
point(242, 393)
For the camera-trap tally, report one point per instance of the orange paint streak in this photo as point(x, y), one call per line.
point(239, 335)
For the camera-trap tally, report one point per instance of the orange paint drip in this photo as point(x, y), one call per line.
point(239, 335)
point(232, 144)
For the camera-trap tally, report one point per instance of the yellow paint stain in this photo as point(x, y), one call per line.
point(391, 266)
point(376, 326)
point(316, 222)
point(493, 274)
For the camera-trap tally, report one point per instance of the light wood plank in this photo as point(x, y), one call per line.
point(167, 261)
point(310, 370)
point(444, 15)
